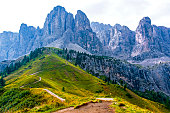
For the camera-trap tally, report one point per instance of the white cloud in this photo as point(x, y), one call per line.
point(124, 12)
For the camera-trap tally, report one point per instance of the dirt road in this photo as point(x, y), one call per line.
point(90, 108)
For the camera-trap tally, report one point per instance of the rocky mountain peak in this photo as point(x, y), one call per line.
point(144, 37)
point(55, 23)
point(118, 26)
point(26, 30)
point(145, 20)
point(59, 8)
point(23, 27)
point(81, 21)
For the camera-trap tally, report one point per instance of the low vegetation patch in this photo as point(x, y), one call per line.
point(16, 99)
point(123, 106)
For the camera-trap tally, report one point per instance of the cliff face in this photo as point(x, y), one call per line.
point(144, 37)
point(84, 36)
point(161, 76)
point(148, 41)
point(60, 30)
point(151, 41)
point(8, 45)
point(118, 41)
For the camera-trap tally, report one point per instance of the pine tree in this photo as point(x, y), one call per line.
point(2, 82)
point(77, 59)
point(121, 82)
point(66, 50)
point(125, 86)
point(68, 57)
point(63, 89)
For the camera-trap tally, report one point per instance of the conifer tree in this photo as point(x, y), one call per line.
point(2, 82)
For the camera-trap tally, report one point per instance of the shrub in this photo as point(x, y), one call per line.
point(63, 89)
point(128, 95)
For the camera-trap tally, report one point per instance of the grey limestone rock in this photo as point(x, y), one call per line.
point(118, 41)
point(148, 41)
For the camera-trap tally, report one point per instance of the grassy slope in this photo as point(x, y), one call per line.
point(80, 86)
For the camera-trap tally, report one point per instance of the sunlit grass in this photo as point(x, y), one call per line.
point(79, 86)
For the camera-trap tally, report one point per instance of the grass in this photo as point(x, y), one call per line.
point(79, 86)
point(123, 106)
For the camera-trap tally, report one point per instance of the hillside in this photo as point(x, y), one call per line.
point(26, 88)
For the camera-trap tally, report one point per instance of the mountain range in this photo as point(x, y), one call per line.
point(62, 30)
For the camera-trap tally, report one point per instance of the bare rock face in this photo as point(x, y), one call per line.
point(84, 36)
point(26, 34)
point(144, 36)
point(102, 32)
point(161, 76)
point(118, 41)
point(61, 29)
point(162, 39)
point(147, 42)
point(81, 21)
point(8, 45)
point(55, 23)
point(151, 41)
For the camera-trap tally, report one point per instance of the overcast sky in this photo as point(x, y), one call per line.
point(124, 12)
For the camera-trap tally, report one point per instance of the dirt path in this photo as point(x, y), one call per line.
point(51, 93)
point(35, 73)
point(105, 99)
point(38, 80)
point(32, 83)
point(90, 108)
point(35, 81)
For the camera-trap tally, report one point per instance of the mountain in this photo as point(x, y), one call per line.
point(60, 30)
point(32, 87)
point(151, 41)
point(147, 42)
